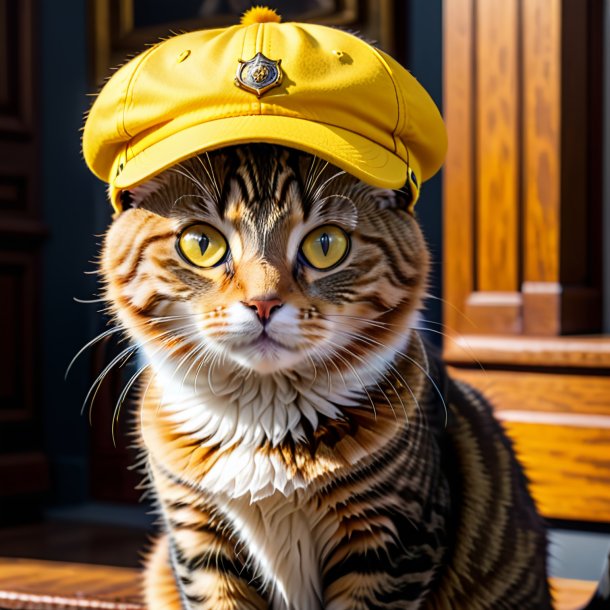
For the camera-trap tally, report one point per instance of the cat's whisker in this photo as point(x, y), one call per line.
point(121, 358)
point(92, 342)
point(372, 342)
point(88, 301)
point(182, 170)
point(195, 355)
point(190, 196)
point(316, 169)
point(315, 353)
point(122, 397)
point(465, 348)
point(315, 370)
point(355, 372)
point(375, 370)
point(118, 329)
point(457, 310)
point(385, 326)
point(323, 186)
point(335, 196)
point(209, 171)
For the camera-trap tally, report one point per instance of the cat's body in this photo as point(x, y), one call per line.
point(305, 448)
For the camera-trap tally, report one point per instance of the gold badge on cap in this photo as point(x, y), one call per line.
point(259, 74)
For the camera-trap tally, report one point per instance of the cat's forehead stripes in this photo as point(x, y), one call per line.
point(264, 189)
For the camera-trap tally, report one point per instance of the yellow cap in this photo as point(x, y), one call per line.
point(309, 87)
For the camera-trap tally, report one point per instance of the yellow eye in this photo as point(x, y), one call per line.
point(325, 247)
point(202, 245)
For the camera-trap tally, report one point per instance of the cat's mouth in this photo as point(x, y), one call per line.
point(266, 354)
point(266, 341)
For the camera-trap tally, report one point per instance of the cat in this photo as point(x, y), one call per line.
point(305, 447)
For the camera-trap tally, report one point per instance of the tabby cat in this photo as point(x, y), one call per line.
point(306, 449)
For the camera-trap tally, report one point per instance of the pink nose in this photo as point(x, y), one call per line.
point(263, 308)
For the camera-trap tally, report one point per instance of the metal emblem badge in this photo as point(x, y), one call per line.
point(259, 74)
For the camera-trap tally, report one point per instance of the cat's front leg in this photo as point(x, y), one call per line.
point(382, 560)
point(175, 579)
point(196, 554)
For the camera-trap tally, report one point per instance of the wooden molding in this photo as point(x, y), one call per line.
point(550, 309)
point(584, 352)
point(495, 312)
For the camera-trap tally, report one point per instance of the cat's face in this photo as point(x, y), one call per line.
point(264, 257)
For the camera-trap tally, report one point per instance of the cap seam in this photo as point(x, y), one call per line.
point(396, 94)
point(131, 85)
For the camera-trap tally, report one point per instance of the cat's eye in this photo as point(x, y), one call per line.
point(202, 245)
point(325, 247)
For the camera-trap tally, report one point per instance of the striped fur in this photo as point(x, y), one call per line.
point(331, 463)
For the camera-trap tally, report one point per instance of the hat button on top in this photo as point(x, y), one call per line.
point(260, 14)
point(259, 74)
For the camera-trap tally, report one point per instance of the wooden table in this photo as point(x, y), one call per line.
point(27, 584)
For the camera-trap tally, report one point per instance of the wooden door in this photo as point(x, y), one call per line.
point(523, 234)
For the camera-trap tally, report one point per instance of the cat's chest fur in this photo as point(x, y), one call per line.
point(286, 537)
point(247, 436)
point(229, 438)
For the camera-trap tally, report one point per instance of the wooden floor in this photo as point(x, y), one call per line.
point(50, 566)
point(41, 585)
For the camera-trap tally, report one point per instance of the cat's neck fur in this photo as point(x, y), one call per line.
point(223, 405)
point(222, 402)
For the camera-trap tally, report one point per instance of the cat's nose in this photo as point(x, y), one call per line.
point(263, 307)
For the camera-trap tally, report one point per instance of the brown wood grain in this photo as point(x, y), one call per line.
point(497, 145)
point(494, 312)
point(522, 190)
point(560, 425)
point(568, 466)
point(541, 122)
point(42, 585)
point(563, 395)
point(458, 192)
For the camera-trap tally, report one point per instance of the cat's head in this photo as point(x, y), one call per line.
point(264, 257)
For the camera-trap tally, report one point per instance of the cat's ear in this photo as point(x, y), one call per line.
point(404, 199)
point(139, 194)
point(399, 199)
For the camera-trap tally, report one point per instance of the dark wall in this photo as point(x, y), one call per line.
point(424, 52)
point(76, 214)
point(69, 195)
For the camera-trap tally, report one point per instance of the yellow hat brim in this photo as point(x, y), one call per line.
point(353, 153)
